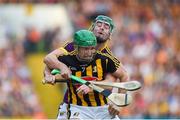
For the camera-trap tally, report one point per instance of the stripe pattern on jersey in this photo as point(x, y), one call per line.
point(93, 98)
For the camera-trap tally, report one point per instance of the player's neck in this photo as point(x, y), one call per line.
point(101, 46)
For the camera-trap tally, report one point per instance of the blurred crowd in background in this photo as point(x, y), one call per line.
point(17, 96)
point(146, 40)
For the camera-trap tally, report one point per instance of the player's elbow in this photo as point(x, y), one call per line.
point(47, 59)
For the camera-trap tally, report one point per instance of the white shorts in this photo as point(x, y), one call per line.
point(84, 112)
point(62, 114)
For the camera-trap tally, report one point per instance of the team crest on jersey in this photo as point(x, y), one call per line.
point(94, 69)
point(73, 68)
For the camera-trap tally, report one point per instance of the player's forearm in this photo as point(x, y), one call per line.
point(122, 74)
point(47, 71)
point(52, 61)
point(110, 78)
point(124, 77)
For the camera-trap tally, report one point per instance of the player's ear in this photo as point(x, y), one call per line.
point(110, 34)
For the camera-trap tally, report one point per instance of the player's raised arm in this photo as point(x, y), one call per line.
point(51, 60)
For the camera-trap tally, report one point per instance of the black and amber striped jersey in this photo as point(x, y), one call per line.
point(68, 48)
point(99, 67)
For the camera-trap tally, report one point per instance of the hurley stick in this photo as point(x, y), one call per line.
point(116, 98)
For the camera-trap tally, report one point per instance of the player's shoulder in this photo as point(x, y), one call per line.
point(68, 43)
point(107, 50)
point(69, 46)
point(68, 56)
point(102, 54)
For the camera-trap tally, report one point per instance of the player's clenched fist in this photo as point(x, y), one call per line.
point(113, 109)
point(50, 79)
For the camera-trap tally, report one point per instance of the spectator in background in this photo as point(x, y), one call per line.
point(31, 40)
point(49, 37)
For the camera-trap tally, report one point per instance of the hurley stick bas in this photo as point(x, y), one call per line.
point(129, 86)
